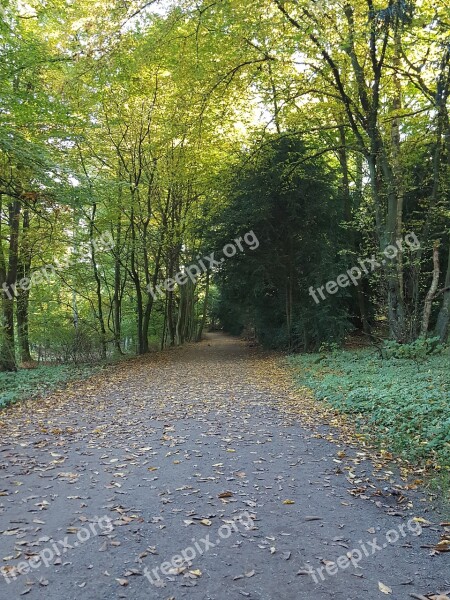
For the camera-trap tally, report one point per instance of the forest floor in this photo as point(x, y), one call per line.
point(201, 473)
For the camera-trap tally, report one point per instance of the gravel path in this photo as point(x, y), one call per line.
point(182, 476)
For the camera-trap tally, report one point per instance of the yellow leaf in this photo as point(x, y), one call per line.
point(421, 520)
point(288, 501)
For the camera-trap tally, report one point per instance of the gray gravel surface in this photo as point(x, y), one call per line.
point(188, 458)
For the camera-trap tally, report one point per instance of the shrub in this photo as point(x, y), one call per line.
point(420, 349)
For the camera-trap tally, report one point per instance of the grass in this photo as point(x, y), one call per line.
point(30, 383)
point(401, 403)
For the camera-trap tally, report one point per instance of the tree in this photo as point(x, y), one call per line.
point(291, 204)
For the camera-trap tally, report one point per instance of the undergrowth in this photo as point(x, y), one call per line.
point(29, 383)
point(399, 396)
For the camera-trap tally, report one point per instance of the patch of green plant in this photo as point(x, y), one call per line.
point(401, 401)
point(420, 349)
point(30, 383)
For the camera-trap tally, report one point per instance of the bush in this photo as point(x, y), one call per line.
point(420, 349)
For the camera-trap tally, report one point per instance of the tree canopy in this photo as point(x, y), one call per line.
point(137, 137)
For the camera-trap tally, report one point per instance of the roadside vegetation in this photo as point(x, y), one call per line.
point(398, 395)
point(31, 383)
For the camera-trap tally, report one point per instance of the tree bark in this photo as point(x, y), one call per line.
point(98, 283)
point(23, 297)
point(205, 308)
point(9, 277)
point(443, 321)
point(431, 292)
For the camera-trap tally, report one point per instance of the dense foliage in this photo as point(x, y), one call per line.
point(400, 401)
point(166, 129)
point(292, 205)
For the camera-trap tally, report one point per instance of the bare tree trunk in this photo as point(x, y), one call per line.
point(150, 299)
point(397, 175)
point(164, 329)
point(205, 308)
point(98, 287)
point(443, 321)
point(185, 313)
point(117, 296)
point(24, 294)
point(432, 292)
point(9, 276)
point(170, 317)
point(137, 285)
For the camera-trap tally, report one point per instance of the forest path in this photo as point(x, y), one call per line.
point(193, 452)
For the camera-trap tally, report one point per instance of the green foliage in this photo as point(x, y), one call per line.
point(402, 402)
point(419, 349)
point(292, 204)
point(30, 383)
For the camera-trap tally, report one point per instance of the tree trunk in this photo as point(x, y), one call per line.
point(24, 294)
point(170, 318)
point(117, 296)
point(348, 214)
point(23, 326)
point(185, 313)
point(164, 329)
point(443, 321)
point(150, 299)
point(117, 301)
point(9, 277)
point(137, 286)
point(98, 283)
point(205, 308)
point(397, 180)
point(432, 292)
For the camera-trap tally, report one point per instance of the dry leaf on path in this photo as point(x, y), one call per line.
point(384, 588)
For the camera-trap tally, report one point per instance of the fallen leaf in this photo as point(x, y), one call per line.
point(196, 573)
point(384, 588)
point(421, 520)
point(443, 545)
point(206, 522)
